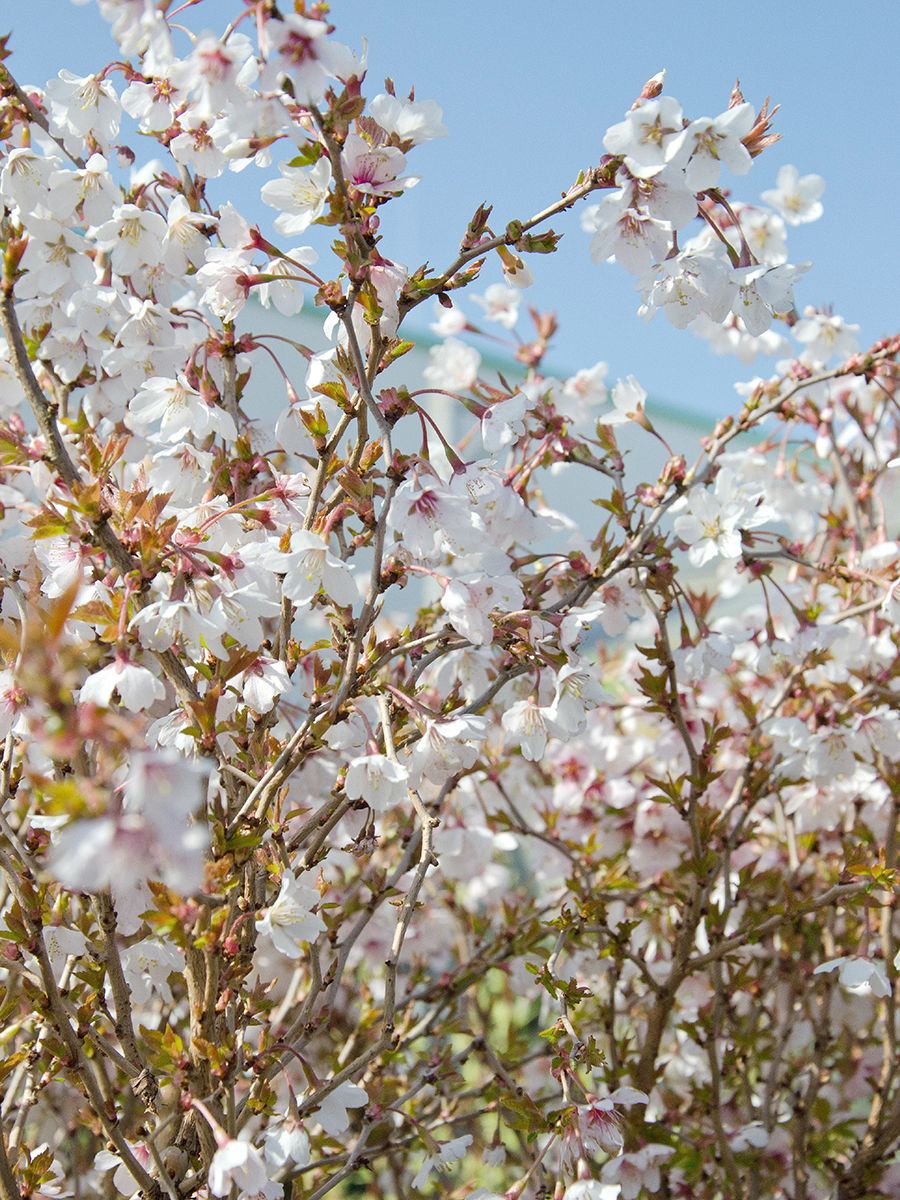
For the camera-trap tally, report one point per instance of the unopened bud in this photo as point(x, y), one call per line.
point(651, 88)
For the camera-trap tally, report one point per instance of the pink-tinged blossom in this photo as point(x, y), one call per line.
point(796, 196)
point(216, 74)
point(226, 279)
point(414, 121)
point(861, 976)
point(469, 601)
point(598, 1120)
point(138, 688)
point(123, 1181)
point(377, 780)
point(153, 104)
point(290, 922)
point(301, 195)
point(427, 518)
point(200, 145)
point(585, 389)
point(637, 1171)
point(154, 836)
point(13, 702)
point(298, 49)
point(665, 196)
point(374, 170)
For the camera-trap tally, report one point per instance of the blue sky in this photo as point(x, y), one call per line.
point(528, 91)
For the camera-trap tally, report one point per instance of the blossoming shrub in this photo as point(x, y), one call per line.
point(364, 817)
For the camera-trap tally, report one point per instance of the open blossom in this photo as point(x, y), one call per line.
point(374, 170)
point(333, 1112)
point(377, 780)
point(446, 747)
point(310, 567)
point(796, 196)
point(286, 1142)
point(441, 1158)
point(180, 410)
point(134, 236)
point(765, 292)
point(154, 836)
point(633, 236)
point(503, 423)
point(285, 290)
point(453, 366)
point(708, 144)
point(263, 682)
point(715, 516)
point(147, 966)
point(577, 693)
point(862, 976)
point(301, 194)
point(637, 1171)
point(299, 49)
point(290, 921)
point(646, 135)
point(628, 399)
point(82, 106)
point(500, 304)
point(691, 285)
point(414, 121)
point(184, 243)
point(238, 1163)
point(530, 726)
point(468, 603)
point(138, 687)
point(598, 1119)
point(825, 336)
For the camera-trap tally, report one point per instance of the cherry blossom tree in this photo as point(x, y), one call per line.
point(370, 822)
